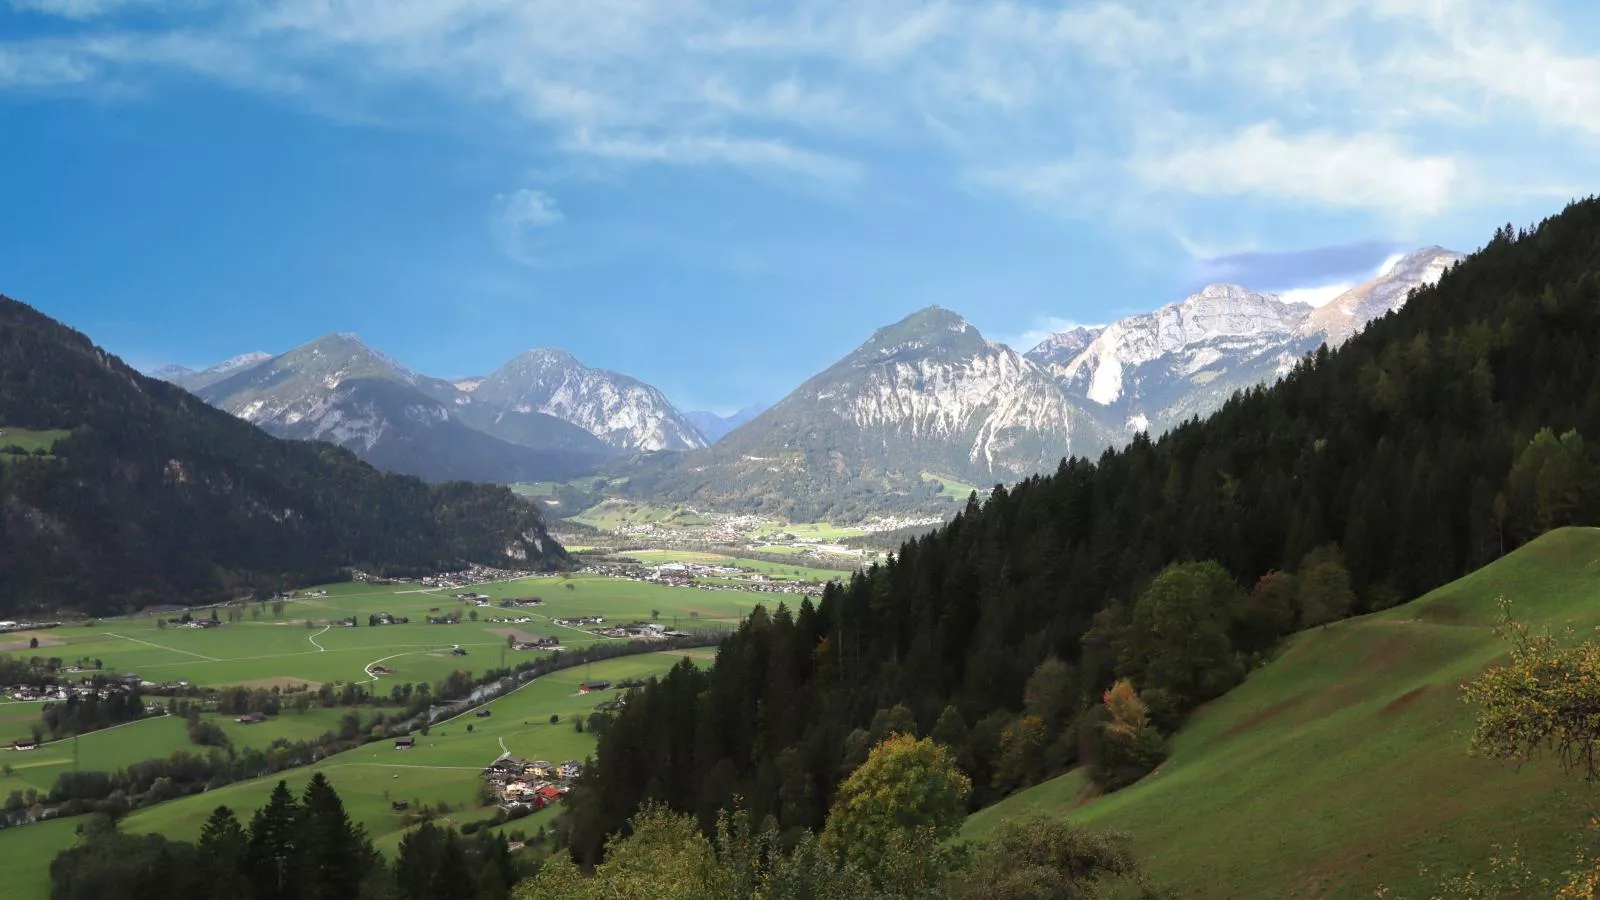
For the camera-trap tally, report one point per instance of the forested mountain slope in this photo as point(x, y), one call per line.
point(148, 495)
point(1411, 449)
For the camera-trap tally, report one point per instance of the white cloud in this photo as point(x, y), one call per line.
point(712, 150)
point(1388, 264)
point(1315, 295)
point(519, 217)
point(1398, 109)
point(1362, 171)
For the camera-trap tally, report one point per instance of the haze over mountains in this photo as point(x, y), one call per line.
point(924, 402)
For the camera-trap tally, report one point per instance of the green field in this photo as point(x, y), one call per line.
point(1343, 764)
point(270, 650)
point(951, 488)
point(445, 766)
point(29, 440)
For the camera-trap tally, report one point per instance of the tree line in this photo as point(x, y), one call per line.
point(1444, 435)
point(292, 848)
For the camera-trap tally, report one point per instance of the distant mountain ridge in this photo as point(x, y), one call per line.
point(714, 427)
point(927, 396)
point(543, 416)
point(623, 412)
point(1151, 371)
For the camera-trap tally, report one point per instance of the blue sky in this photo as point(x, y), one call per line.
point(722, 198)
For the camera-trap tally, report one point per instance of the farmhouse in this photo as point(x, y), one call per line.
point(380, 670)
point(254, 718)
point(588, 686)
point(404, 743)
point(482, 713)
point(25, 744)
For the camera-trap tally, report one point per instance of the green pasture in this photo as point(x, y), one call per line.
point(951, 488)
point(1343, 764)
point(264, 649)
point(445, 766)
point(29, 440)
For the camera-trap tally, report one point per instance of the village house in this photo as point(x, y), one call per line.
point(570, 769)
point(25, 744)
point(539, 769)
point(404, 743)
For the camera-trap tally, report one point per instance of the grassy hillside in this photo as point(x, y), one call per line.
point(1343, 763)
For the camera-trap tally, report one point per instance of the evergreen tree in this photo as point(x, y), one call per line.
point(334, 854)
point(272, 862)
point(222, 848)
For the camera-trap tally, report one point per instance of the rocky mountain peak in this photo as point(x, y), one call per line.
point(1349, 312)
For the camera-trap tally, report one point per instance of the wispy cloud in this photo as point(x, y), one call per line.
point(1145, 114)
point(520, 218)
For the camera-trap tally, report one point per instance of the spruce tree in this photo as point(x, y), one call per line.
point(334, 854)
point(271, 864)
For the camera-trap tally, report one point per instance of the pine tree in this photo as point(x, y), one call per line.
point(223, 846)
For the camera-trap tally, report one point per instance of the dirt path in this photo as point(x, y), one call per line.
point(313, 639)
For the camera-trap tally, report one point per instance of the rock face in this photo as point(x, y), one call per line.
point(1351, 311)
point(923, 400)
point(1153, 371)
point(625, 413)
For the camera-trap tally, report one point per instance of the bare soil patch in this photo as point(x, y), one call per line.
point(1403, 702)
point(19, 640)
point(1260, 716)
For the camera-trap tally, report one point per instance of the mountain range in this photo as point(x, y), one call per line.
point(1152, 371)
point(924, 404)
point(542, 416)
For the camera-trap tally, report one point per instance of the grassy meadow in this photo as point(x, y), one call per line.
point(301, 647)
point(444, 767)
point(31, 439)
point(1343, 764)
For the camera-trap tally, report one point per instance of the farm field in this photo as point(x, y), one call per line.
point(114, 748)
point(953, 489)
point(1343, 764)
point(444, 767)
point(264, 649)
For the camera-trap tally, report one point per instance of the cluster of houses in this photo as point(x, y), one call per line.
point(65, 691)
point(581, 621)
point(538, 643)
point(648, 631)
point(531, 785)
point(26, 626)
point(522, 601)
point(689, 575)
point(463, 578)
